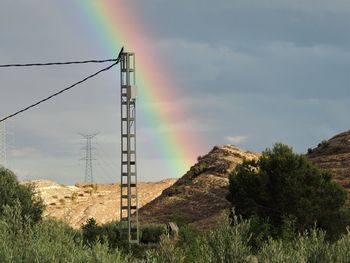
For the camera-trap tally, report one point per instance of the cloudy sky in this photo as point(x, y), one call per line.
point(251, 72)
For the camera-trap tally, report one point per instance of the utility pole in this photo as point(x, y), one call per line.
point(89, 178)
point(129, 222)
point(3, 145)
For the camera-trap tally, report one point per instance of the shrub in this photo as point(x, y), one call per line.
point(74, 196)
point(166, 252)
point(188, 234)
point(11, 192)
point(309, 247)
point(340, 250)
point(190, 242)
point(48, 241)
point(91, 231)
point(282, 185)
point(323, 144)
point(228, 243)
point(152, 233)
point(108, 233)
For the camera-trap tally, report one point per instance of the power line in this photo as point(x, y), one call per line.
point(61, 91)
point(103, 162)
point(106, 174)
point(58, 63)
point(106, 157)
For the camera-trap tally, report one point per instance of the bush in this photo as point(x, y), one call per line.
point(55, 241)
point(188, 234)
point(228, 243)
point(309, 247)
point(166, 252)
point(91, 231)
point(108, 233)
point(48, 241)
point(151, 234)
point(283, 185)
point(11, 192)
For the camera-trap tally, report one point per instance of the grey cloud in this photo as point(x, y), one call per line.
point(301, 22)
point(276, 68)
point(273, 69)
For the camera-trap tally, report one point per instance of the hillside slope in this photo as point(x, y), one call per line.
point(75, 204)
point(199, 197)
point(334, 155)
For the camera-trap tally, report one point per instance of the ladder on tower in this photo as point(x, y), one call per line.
point(129, 225)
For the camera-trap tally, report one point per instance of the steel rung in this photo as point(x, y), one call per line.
point(125, 185)
point(126, 174)
point(126, 196)
point(131, 163)
point(132, 207)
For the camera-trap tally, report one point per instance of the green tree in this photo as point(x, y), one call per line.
point(109, 232)
point(12, 192)
point(283, 185)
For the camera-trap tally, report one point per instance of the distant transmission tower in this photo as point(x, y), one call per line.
point(3, 146)
point(129, 221)
point(89, 176)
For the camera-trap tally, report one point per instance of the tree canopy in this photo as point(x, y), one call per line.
point(12, 193)
point(282, 184)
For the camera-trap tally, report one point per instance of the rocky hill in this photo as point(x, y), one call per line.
point(334, 155)
point(199, 197)
point(75, 204)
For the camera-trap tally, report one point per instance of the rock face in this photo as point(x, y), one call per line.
point(199, 197)
point(334, 155)
point(75, 204)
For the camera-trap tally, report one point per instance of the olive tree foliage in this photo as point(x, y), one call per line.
point(48, 241)
point(12, 192)
point(283, 185)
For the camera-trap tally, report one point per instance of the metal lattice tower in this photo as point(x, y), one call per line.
point(3, 145)
point(89, 178)
point(128, 195)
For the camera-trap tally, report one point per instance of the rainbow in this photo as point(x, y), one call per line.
point(116, 26)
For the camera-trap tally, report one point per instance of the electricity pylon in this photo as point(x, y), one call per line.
point(129, 222)
point(89, 177)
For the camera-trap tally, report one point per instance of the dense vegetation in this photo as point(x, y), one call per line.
point(54, 241)
point(286, 188)
point(47, 241)
point(12, 192)
point(286, 210)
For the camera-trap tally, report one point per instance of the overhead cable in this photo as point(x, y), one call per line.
point(58, 63)
point(61, 91)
